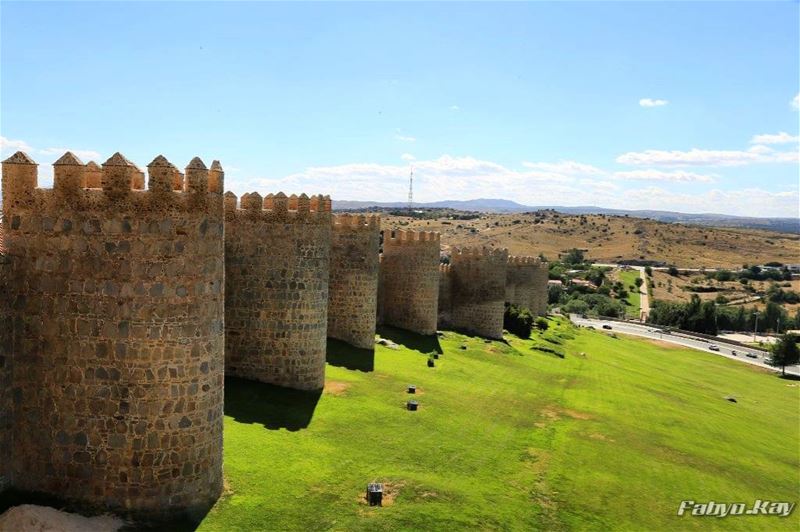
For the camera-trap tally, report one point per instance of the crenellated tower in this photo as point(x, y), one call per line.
point(117, 307)
point(477, 281)
point(409, 280)
point(353, 292)
point(277, 259)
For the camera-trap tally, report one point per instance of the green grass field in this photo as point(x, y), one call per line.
point(512, 437)
point(634, 299)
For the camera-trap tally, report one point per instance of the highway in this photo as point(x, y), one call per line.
point(726, 350)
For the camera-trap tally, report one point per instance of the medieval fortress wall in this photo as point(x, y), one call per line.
point(409, 280)
point(277, 257)
point(124, 305)
point(6, 370)
point(353, 290)
point(526, 284)
point(116, 298)
point(477, 283)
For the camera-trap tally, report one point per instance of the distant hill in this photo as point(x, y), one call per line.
point(499, 206)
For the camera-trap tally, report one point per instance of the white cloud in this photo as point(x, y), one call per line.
point(796, 102)
point(11, 145)
point(455, 108)
point(743, 202)
point(84, 155)
point(659, 175)
point(650, 102)
point(565, 167)
point(405, 138)
point(777, 138)
point(697, 157)
point(408, 157)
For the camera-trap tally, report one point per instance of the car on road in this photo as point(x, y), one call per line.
point(714, 347)
point(752, 355)
point(606, 326)
point(734, 353)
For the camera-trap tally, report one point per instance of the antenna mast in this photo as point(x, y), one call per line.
point(411, 189)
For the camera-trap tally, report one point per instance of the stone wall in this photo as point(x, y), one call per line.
point(445, 297)
point(277, 258)
point(477, 291)
point(6, 369)
point(526, 284)
point(353, 299)
point(539, 292)
point(117, 302)
point(409, 291)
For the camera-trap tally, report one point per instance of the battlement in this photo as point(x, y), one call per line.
point(352, 221)
point(516, 260)
point(279, 207)
point(472, 253)
point(399, 237)
point(116, 185)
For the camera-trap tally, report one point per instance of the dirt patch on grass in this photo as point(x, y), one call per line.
point(551, 414)
point(391, 489)
point(574, 414)
point(601, 437)
point(666, 345)
point(335, 387)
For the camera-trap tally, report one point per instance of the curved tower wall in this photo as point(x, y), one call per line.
point(526, 284)
point(117, 298)
point(353, 299)
point(445, 297)
point(277, 260)
point(409, 282)
point(6, 369)
point(478, 281)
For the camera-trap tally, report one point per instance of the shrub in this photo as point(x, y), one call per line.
point(542, 324)
point(518, 321)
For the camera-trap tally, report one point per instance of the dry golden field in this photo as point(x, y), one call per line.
point(612, 238)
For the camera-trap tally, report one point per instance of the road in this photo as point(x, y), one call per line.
point(725, 350)
point(644, 304)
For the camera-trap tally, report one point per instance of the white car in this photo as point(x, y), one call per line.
point(714, 347)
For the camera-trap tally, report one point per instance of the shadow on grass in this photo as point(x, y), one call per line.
point(790, 377)
point(273, 406)
point(344, 355)
point(418, 342)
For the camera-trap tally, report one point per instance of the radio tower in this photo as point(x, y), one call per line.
point(411, 189)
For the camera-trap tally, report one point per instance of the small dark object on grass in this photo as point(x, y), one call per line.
point(732, 399)
point(436, 355)
point(431, 363)
point(412, 388)
point(374, 494)
point(463, 346)
point(412, 405)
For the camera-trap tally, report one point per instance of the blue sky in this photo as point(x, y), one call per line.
point(680, 106)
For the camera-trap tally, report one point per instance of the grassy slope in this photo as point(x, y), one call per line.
point(634, 300)
point(513, 438)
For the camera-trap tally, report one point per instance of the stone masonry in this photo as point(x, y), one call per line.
point(353, 299)
point(116, 300)
point(477, 279)
point(526, 284)
point(409, 280)
point(277, 258)
point(6, 369)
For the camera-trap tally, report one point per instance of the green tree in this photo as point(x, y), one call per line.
point(573, 257)
point(673, 271)
point(785, 352)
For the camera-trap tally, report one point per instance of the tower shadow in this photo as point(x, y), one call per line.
point(344, 355)
point(418, 342)
point(273, 406)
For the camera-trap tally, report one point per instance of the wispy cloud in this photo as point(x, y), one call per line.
point(698, 157)
point(84, 155)
point(795, 103)
point(12, 145)
point(455, 108)
point(405, 138)
point(408, 157)
point(565, 167)
point(650, 102)
point(777, 138)
point(660, 175)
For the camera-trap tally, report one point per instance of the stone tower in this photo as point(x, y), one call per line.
point(477, 279)
point(353, 299)
point(277, 259)
point(526, 284)
point(117, 305)
point(409, 280)
point(6, 369)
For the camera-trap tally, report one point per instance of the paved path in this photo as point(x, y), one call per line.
point(726, 350)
